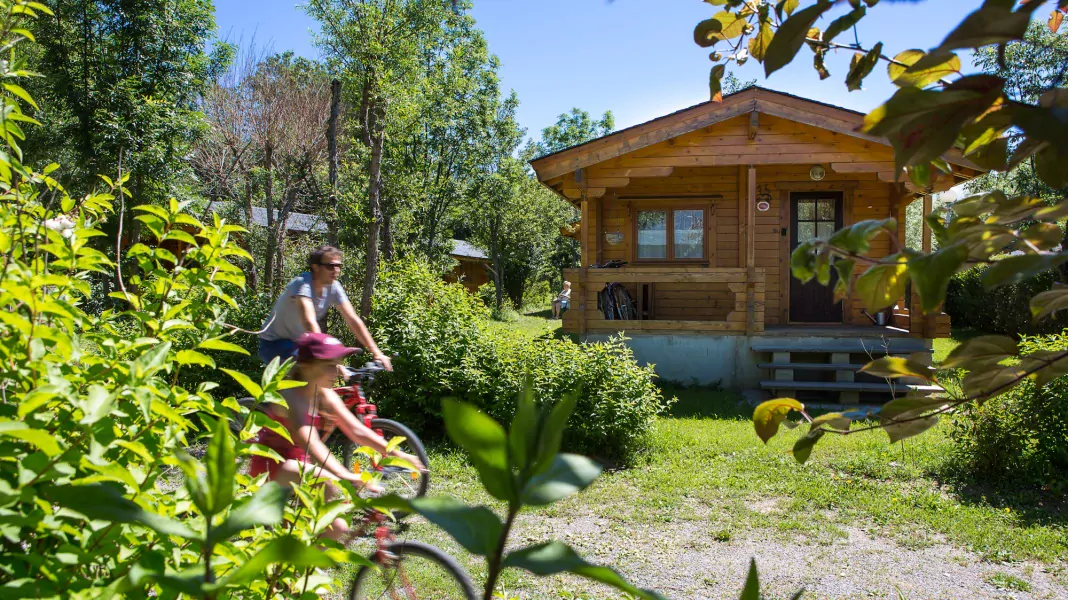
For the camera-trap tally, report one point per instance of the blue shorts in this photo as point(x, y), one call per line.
point(281, 349)
point(565, 304)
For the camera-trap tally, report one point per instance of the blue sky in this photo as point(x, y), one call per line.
point(636, 58)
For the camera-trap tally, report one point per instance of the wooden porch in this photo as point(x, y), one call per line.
point(672, 299)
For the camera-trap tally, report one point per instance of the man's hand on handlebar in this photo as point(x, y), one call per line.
point(382, 358)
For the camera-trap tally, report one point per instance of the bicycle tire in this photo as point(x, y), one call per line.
point(422, 550)
point(391, 429)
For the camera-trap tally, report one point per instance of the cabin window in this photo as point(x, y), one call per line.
point(652, 234)
point(671, 234)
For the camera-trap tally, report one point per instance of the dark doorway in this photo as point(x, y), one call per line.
point(812, 215)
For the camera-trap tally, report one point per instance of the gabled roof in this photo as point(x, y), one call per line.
point(466, 250)
point(297, 222)
point(753, 99)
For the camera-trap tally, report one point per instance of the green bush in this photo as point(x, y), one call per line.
point(1021, 436)
point(1004, 310)
point(445, 349)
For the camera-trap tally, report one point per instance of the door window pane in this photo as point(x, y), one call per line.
point(689, 233)
point(806, 230)
point(826, 210)
point(824, 229)
point(806, 210)
point(652, 234)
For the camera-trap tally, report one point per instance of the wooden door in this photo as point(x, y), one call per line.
point(814, 214)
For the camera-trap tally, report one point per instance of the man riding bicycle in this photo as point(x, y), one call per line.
point(303, 305)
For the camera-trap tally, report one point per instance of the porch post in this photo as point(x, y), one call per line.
point(750, 252)
point(928, 320)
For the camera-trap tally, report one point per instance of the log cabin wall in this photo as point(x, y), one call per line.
point(723, 189)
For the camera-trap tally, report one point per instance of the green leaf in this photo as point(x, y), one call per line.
point(751, 591)
point(264, 508)
point(551, 558)
point(1051, 165)
point(485, 441)
point(901, 431)
point(791, 36)
point(931, 273)
point(477, 529)
point(918, 69)
point(910, 405)
point(1044, 236)
point(803, 262)
point(220, 344)
point(524, 430)
point(552, 432)
point(993, 380)
point(857, 237)
point(1049, 302)
point(893, 367)
point(844, 22)
point(832, 420)
point(758, 44)
point(98, 404)
point(981, 352)
point(105, 502)
point(883, 285)
point(293, 553)
point(768, 415)
point(1015, 269)
point(250, 386)
point(195, 481)
point(222, 467)
point(722, 26)
point(152, 360)
point(844, 267)
point(861, 66)
point(21, 93)
point(192, 357)
point(993, 23)
point(40, 438)
point(568, 474)
point(1045, 365)
point(803, 447)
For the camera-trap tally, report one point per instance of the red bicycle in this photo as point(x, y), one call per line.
point(402, 481)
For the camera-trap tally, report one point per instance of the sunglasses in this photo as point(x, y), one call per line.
point(331, 265)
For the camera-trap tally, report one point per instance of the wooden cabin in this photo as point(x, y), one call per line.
point(705, 206)
point(472, 265)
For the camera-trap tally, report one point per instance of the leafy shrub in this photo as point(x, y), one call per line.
point(445, 349)
point(1020, 436)
point(99, 497)
point(1003, 310)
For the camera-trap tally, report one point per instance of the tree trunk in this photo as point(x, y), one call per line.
point(374, 190)
point(498, 277)
point(253, 275)
point(268, 201)
point(387, 237)
point(331, 141)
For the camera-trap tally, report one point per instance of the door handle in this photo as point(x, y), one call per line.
point(783, 234)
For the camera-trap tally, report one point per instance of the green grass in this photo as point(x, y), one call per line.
point(706, 471)
point(1005, 581)
point(943, 346)
point(533, 322)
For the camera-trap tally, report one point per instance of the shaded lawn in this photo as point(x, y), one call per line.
point(705, 468)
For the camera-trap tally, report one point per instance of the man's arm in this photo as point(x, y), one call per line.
point(358, 328)
point(307, 314)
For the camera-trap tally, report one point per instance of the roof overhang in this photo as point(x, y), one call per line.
point(551, 168)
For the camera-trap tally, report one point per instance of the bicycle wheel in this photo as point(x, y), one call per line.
point(414, 571)
point(396, 480)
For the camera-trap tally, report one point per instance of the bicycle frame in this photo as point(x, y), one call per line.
point(353, 398)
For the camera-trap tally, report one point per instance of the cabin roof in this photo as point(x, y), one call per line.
point(752, 99)
point(295, 221)
point(465, 249)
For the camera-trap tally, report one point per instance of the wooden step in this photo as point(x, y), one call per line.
point(803, 366)
point(848, 386)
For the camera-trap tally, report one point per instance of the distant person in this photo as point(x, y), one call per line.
point(302, 308)
point(562, 301)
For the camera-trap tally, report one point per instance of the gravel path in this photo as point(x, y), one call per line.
point(684, 560)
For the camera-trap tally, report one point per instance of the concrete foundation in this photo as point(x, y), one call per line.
point(730, 360)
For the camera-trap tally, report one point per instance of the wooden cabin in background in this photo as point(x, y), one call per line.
point(705, 206)
point(472, 265)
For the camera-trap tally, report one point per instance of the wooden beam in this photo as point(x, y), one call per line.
point(750, 210)
point(572, 193)
point(586, 229)
point(752, 158)
point(754, 124)
point(599, 236)
point(596, 192)
point(609, 182)
point(632, 172)
point(863, 167)
point(742, 214)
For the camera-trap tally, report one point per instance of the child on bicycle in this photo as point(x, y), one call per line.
point(309, 408)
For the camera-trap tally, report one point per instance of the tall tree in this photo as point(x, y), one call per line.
point(375, 46)
point(571, 129)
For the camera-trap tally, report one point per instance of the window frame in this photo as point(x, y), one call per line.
point(670, 208)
